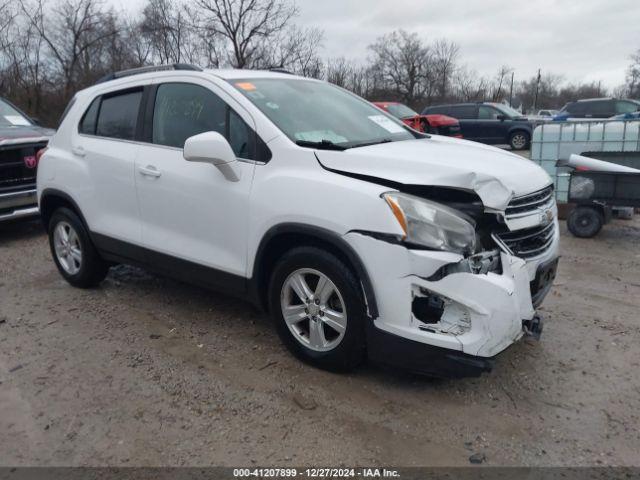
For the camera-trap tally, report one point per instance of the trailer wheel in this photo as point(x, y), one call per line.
point(585, 222)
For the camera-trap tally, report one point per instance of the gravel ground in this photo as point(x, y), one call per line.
point(146, 371)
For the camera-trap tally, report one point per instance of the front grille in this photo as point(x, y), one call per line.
point(528, 204)
point(15, 176)
point(528, 242)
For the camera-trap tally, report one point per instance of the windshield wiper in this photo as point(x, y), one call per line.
point(321, 145)
point(366, 144)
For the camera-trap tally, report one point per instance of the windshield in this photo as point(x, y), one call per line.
point(511, 112)
point(400, 111)
point(10, 117)
point(316, 112)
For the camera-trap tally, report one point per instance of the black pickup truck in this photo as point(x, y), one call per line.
point(21, 140)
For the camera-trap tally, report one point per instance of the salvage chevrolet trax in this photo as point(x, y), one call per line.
point(361, 237)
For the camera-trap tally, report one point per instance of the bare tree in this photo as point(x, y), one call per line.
point(633, 76)
point(294, 49)
point(72, 29)
point(403, 61)
point(169, 30)
point(245, 25)
point(498, 87)
point(444, 57)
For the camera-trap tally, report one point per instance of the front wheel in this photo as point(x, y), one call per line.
point(519, 140)
point(73, 252)
point(317, 306)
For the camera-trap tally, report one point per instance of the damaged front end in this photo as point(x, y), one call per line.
point(451, 310)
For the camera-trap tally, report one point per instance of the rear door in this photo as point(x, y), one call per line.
point(467, 115)
point(106, 147)
point(601, 109)
point(194, 217)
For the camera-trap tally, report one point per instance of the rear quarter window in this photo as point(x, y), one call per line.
point(88, 122)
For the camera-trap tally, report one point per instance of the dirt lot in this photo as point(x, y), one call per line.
point(147, 371)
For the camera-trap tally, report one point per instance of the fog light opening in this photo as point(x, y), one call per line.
point(438, 314)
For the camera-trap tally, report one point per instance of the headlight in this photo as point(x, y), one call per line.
point(432, 225)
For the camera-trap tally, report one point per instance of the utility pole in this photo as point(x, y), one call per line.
point(511, 91)
point(535, 101)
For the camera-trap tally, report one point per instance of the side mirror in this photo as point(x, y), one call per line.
point(208, 147)
point(502, 118)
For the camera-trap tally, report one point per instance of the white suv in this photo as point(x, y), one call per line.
point(361, 237)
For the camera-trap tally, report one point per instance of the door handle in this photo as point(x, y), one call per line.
point(79, 151)
point(149, 171)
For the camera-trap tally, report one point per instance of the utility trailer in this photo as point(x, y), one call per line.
point(595, 186)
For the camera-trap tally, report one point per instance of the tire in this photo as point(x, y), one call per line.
point(519, 140)
point(585, 222)
point(343, 351)
point(77, 260)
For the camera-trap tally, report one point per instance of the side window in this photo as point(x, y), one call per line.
point(464, 112)
point(626, 107)
point(118, 115)
point(240, 136)
point(89, 119)
point(183, 110)
point(487, 113)
point(601, 108)
point(443, 110)
point(576, 108)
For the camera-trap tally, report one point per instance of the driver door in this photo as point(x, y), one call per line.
point(194, 218)
point(493, 129)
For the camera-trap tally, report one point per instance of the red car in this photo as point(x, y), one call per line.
point(436, 124)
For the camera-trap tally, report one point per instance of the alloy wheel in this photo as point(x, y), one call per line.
point(313, 309)
point(519, 141)
point(67, 247)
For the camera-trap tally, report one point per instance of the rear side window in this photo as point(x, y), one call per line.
point(442, 110)
point(464, 112)
point(118, 115)
point(88, 122)
point(604, 107)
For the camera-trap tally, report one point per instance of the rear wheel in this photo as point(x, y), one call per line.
point(318, 309)
point(519, 140)
point(585, 222)
point(73, 252)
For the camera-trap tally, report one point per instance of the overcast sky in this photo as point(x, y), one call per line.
point(585, 40)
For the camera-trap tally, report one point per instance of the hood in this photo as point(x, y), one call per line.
point(26, 133)
point(495, 175)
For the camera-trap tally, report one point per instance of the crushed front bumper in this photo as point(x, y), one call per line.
point(481, 313)
point(17, 205)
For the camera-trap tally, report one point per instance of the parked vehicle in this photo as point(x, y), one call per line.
point(21, 140)
point(361, 236)
point(490, 123)
point(598, 108)
point(436, 124)
point(627, 116)
point(547, 113)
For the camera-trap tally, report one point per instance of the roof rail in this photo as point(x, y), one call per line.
point(281, 70)
point(147, 69)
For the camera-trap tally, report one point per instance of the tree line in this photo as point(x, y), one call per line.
point(51, 48)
